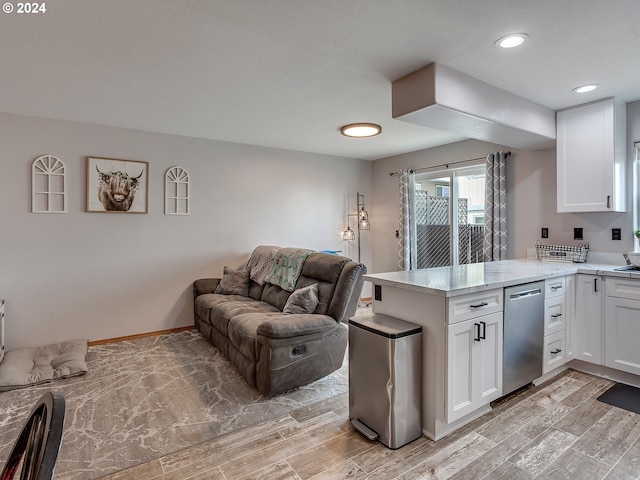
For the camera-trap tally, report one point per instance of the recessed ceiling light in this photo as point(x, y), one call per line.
point(361, 130)
point(586, 88)
point(512, 40)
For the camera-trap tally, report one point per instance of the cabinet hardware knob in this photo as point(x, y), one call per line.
point(556, 351)
point(476, 332)
point(557, 287)
point(483, 335)
point(483, 304)
point(608, 201)
point(556, 315)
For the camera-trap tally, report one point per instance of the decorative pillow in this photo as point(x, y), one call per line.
point(234, 282)
point(303, 300)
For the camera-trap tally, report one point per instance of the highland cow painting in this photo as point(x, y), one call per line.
point(117, 186)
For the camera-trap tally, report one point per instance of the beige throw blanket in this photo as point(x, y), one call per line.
point(259, 264)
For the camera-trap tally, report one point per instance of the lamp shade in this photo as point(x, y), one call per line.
point(348, 234)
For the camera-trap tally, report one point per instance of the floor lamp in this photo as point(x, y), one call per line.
point(363, 223)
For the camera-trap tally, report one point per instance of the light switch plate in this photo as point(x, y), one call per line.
point(577, 233)
point(545, 232)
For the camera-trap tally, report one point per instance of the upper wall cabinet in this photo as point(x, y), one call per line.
point(591, 156)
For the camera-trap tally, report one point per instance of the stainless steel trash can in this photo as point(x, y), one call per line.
point(385, 378)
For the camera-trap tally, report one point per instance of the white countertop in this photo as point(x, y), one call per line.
point(476, 277)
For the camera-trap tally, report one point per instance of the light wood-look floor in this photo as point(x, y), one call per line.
point(557, 430)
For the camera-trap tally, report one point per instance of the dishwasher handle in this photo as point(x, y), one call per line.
point(527, 293)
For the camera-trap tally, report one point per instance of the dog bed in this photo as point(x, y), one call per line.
point(23, 367)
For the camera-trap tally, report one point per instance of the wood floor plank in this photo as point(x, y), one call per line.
point(611, 436)
point(508, 471)
point(583, 417)
point(380, 455)
point(330, 453)
point(213, 459)
point(450, 460)
point(594, 388)
point(628, 468)
point(144, 471)
point(539, 453)
point(257, 460)
point(328, 405)
point(309, 423)
point(544, 421)
point(492, 459)
point(276, 471)
point(510, 421)
point(214, 474)
point(248, 438)
point(405, 460)
point(343, 471)
point(573, 464)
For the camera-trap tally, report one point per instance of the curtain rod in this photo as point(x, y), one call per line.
point(446, 165)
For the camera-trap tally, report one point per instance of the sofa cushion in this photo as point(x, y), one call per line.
point(303, 300)
point(323, 269)
point(242, 332)
point(234, 282)
point(217, 309)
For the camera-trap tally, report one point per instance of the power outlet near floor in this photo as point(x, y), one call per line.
point(577, 233)
point(616, 234)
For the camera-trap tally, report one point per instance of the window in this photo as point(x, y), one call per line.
point(48, 185)
point(442, 191)
point(176, 192)
point(449, 217)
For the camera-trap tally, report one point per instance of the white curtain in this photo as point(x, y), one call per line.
point(406, 250)
point(495, 209)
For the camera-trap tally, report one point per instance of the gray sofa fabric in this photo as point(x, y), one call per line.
point(276, 351)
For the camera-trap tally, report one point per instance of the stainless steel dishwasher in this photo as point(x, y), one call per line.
point(523, 335)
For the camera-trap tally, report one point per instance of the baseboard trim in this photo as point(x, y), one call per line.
point(141, 335)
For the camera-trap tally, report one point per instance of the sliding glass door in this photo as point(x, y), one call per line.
point(449, 217)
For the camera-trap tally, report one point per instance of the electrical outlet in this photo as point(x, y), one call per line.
point(577, 233)
point(545, 232)
point(377, 292)
point(616, 234)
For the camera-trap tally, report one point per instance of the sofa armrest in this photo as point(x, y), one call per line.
point(296, 325)
point(204, 285)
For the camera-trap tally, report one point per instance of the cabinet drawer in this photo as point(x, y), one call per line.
point(554, 287)
point(554, 354)
point(473, 305)
point(554, 315)
point(623, 288)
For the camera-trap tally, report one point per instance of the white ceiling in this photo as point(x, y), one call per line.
point(289, 73)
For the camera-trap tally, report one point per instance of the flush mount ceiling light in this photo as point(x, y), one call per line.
point(512, 40)
point(586, 88)
point(361, 130)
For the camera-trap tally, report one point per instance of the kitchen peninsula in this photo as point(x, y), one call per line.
point(461, 311)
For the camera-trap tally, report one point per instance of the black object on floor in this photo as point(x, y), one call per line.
point(622, 396)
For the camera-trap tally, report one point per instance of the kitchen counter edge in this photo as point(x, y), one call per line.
point(496, 277)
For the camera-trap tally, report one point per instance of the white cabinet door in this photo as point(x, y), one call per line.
point(591, 156)
point(586, 328)
point(474, 364)
point(621, 334)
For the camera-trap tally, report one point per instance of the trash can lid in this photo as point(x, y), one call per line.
point(385, 325)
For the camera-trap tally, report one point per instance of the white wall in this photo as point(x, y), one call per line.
point(531, 202)
point(100, 275)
